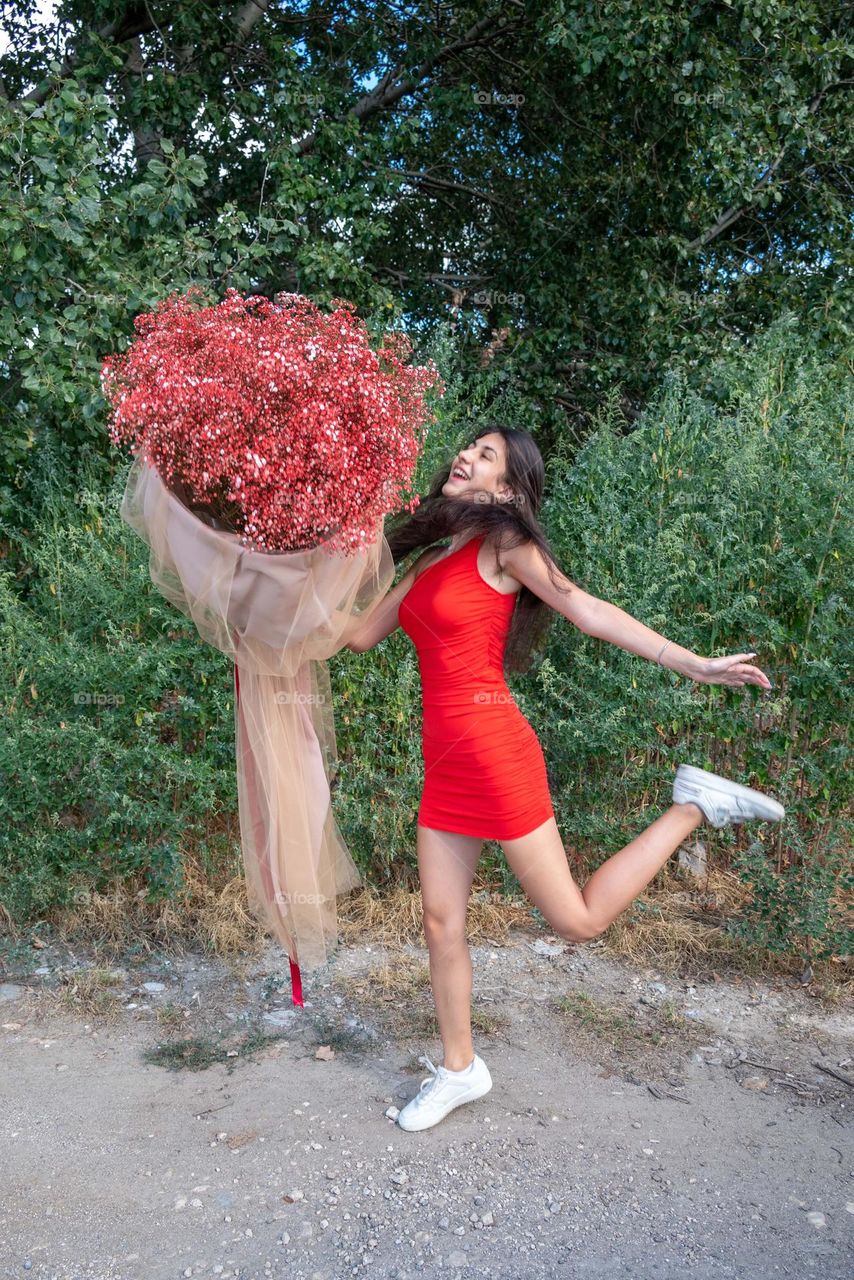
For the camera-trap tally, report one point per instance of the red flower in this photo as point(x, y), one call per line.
point(276, 419)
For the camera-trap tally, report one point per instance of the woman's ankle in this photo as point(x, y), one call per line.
point(458, 1063)
point(690, 806)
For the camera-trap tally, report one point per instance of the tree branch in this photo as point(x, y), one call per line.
point(249, 15)
point(444, 184)
point(136, 20)
point(450, 282)
point(732, 215)
point(146, 139)
point(384, 96)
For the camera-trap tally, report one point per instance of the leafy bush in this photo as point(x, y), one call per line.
point(723, 520)
point(118, 743)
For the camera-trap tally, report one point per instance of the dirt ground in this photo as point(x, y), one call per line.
point(639, 1124)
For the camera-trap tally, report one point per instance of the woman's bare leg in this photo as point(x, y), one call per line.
point(538, 861)
point(446, 867)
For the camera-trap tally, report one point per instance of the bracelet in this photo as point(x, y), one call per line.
point(661, 650)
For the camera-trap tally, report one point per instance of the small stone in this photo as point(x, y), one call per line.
point(392, 1113)
point(543, 948)
point(400, 1176)
point(816, 1219)
point(754, 1082)
point(280, 1017)
point(8, 991)
point(457, 1258)
point(692, 859)
point(155, 986)
point(487, 1219)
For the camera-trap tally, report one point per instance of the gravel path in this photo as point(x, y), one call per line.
point(722, 1150)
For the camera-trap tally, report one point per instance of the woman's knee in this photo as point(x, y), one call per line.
point(443, 928)
point(578, 931)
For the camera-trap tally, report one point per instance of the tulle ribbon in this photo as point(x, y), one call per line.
point(279, 617)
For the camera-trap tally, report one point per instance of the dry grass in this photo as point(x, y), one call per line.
point(397, 994)
point(676, 925)
point(627, 1031)
point(206, 916)
point(90, 993)
point(393, 918)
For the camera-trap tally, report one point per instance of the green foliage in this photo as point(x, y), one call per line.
point(727, 525)
point(117, 748)
point(723, 520)
point(617, 185)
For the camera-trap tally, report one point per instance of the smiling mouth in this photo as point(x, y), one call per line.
point(458, 474)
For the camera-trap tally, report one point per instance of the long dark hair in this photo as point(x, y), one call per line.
point(505, 524)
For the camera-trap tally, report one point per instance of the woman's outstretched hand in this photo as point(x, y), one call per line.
point(733, 669)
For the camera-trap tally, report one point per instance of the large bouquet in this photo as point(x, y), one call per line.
point(255, 412)
point(270, 440)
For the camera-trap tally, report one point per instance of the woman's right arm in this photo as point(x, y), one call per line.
point(384, 618)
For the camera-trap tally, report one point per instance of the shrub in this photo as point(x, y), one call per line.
point(725, 521)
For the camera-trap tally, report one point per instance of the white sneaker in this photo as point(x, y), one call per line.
point(442, 1091)
point(722, 800)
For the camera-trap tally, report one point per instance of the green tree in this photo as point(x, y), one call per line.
point(588, 190)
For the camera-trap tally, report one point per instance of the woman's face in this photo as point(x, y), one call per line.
point(476, 470)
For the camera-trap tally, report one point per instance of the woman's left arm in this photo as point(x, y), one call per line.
point(606, 621)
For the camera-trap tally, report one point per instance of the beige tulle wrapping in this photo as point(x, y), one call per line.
point(279, 617)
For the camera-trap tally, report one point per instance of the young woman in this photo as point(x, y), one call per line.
point(471, 609)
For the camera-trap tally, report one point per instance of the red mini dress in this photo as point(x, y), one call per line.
point(484, 772)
